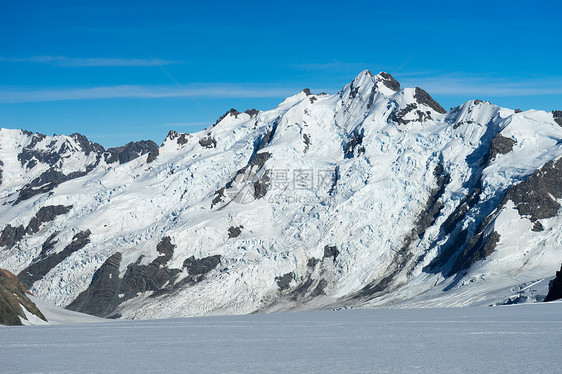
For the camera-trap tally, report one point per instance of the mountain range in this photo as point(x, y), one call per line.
point(375, 195)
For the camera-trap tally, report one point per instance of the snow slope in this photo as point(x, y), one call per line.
point(57, 316)
point(514, 339)
point(371, 196)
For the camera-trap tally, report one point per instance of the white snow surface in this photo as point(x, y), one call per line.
point(506, 339)
point(56, 315)
point(381, 189)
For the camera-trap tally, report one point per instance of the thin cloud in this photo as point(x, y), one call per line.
point(331, 65)
point(176, 125)
point(65, 61)
point(12, 95)
point(455, 85)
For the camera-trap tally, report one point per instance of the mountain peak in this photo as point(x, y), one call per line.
point(362, 78)
point(388, 80)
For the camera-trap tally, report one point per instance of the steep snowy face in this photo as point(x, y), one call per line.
point(33, 163)
point(370, 196)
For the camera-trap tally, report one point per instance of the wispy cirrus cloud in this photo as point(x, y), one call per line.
point(12, 95)
point(331, 65)
point(479, 86)
point(64, 61)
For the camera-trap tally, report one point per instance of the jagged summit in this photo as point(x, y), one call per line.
point(373, 195)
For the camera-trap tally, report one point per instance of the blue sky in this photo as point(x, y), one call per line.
point(113, 71)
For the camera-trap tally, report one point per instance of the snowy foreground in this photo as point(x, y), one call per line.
point(507, 339)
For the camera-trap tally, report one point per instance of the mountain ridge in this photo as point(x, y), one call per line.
point(371, 196)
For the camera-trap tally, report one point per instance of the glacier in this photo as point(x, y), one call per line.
point(372, 196)
point(515, 339)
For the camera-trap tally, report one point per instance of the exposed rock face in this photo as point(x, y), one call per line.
point(557, 114)
point(51, 155)
point(11, 235)
point(536, 196)
point(331, 251)
point(248, 174)
point(500, 145)
point(30, 155)
point(208, 142)
point(46, 214)
point(48, 180)
point(354, 145)
point(389, 81)
point(284, 281)
point(129, 151)
point(423, 97)
point(398, 116)
point(47, 261)
point(478, 248)
point(181, 139)
point(13, 297)
point(108, 289)
point(152, 155)
point(232, 112)
point(234, 232)
point(102, 296)
point(555, 290)
point(252, 112)
point(306, 141)
point(201, 266)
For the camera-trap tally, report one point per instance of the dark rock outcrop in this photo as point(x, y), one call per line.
point(234, 232)
point(47, 261)
point(152, 155)
point(557, 115)
point(48, 181)
point(306, 141)
point(11, 235)
point(355, 142)
point(331, 251)
point(478, 248)
point(181, 138)
point(389, 81)
point(232, 112)
point(311, 263)
point(422, 97)
point(535, 197)
point(555, 289)
point(283, 282)
point(130, 151)
point(248, 174)
point(46, 214)
point(399, 116)
point(500, 146)
point(108, 289)
point(102, 296)
point(252, 112)
point(30, 155)
point(208, 142)
point(13, 296)
point(201, 266)
point(53, 155)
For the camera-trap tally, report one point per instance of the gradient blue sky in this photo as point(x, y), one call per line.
point(93, 66)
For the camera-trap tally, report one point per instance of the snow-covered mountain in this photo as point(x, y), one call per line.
point(375, 195)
